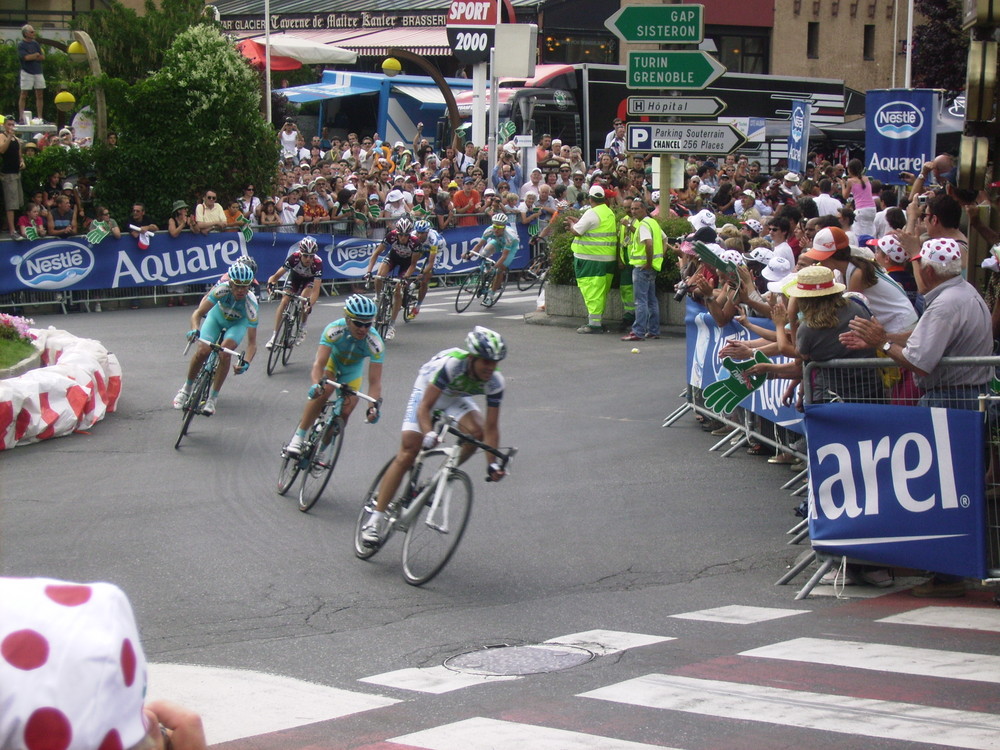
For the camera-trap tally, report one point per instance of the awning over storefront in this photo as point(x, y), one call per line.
point(424, 94)
point(343, 84)
point(376, 42)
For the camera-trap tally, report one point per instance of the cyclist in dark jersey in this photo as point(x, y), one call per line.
point(304, 269)
point(405, 251)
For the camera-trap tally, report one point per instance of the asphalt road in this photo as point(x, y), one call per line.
point(608, 521)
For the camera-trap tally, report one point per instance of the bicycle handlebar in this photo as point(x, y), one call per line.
point(482, 256)
point(291, 295)
point(451, 425)
point(348, 391)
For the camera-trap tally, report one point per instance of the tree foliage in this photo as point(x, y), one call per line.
point(940, 47)
point(131, 46)
point(193, 124)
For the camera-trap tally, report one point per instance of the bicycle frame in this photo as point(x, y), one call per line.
point(331, 410)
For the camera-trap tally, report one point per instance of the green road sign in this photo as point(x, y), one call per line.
point(682, 69)
point(660, 24)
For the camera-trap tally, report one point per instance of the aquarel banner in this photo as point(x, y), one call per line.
point(74, 263)
point(798, 138)
point(899, 132)
point(898, 485)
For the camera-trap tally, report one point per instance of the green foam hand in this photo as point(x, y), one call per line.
point(724, 396)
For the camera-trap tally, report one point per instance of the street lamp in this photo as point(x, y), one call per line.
point(65, 101)
point(83, 49)
point(392, 66)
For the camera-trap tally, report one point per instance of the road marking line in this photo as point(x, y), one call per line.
point(738, 615)
point(480, 733)
point(435, 680)
point(830, 713)
point(881, 657)
point(237, 703)
point(604, 642)
point(965, 618)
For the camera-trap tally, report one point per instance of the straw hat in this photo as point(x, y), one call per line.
point(815, 281)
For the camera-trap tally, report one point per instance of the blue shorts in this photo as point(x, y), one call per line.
point(215, 323)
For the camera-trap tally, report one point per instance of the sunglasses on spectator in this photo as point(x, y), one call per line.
point(210, 197)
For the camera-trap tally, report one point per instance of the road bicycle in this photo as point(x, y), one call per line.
point(431, 510)
point(202, 387)
point(479, 283)
point(320, 450)
point(383, 302)
point(289, 328)
point(536, 271)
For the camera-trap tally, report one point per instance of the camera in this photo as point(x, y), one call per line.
point(681, 290)
point(922, 199)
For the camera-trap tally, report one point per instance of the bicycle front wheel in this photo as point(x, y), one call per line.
point(199, 392)
point(324, 454)
point(435, 533)
point(288, 472)
point(277, 346)
point(467, 291)
point(384, 316)
point(409, 302)
point(292, 325)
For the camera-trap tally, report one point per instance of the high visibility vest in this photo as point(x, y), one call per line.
point(599, 243)
point(637, 249)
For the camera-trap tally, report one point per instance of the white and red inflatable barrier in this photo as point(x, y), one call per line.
point(80, 381)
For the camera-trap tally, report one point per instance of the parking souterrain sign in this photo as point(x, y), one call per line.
point(683, 138)
point(471, 29)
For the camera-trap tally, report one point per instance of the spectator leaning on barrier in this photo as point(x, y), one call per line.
point(209, 215)
point(594, 256)
point(62, 218)
point(140, 220)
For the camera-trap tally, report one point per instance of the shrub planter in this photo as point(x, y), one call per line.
point(31, 362)
point(566, 301)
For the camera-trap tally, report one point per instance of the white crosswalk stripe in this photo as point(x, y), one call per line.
point(487, 734)
point(881, 657)
point(841, 714)
point(737, 615)
point(964, 618)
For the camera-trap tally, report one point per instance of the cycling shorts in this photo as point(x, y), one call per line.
point(351, 376)
point(397, 262)
point(455, 407)
point(295, 282)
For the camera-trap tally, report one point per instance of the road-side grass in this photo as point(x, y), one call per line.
point(12, 352)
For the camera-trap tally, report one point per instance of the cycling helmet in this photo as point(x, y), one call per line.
point(360, 307)
point(404, 225)
point(249, 262)
point(240, 274)
point(307, 245)
point(500, 218)
point(485, 344)
point(421, 225)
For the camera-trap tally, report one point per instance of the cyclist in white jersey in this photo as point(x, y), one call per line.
point(447, 383)
point(431, 243)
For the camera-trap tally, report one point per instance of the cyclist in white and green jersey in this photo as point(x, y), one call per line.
point(447, 383)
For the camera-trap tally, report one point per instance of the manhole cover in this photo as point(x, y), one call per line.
point(507, 660)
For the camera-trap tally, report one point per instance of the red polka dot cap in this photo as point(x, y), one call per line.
point(893, 249)
point(940, 250)
point(72, 670)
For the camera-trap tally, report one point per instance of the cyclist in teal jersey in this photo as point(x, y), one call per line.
point(447, 383)
point(431, 243)
point(498, 238)
point(230, 307)
point(343, 349)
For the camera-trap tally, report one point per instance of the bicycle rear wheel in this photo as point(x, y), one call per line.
point(467, 291)
point(323, 457)
point(292, 325)
point(277, 346)
point(361, 549)
point(494, 296)
point(199, 392)
point(432, 539)
point(531, 275)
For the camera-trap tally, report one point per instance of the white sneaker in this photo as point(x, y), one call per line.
point(374, 528)
point(390, 334)
point(294, 445)
point(209, 408)
point(301, 337)
point(181, 397)
point(270, 343)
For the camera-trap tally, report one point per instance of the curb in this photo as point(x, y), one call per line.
point(542, 318)
point(31, 362)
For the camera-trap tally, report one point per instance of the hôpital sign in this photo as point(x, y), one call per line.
point(471, 29)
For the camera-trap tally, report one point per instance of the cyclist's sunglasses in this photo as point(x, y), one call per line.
point(499, 226)
point(238, 285)
point(361, 323)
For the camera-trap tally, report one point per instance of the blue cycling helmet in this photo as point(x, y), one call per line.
point(240, 274)
point(360, 307)
point(485, 344)
point(422, 225)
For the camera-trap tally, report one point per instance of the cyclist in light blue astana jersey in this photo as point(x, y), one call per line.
point(431, 242)
point(447, 383)
point(229, 307)
point(343, 349)
point(499, 238)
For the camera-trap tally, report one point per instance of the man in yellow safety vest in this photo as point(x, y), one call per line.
point(594, 256)
point(645, 255)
